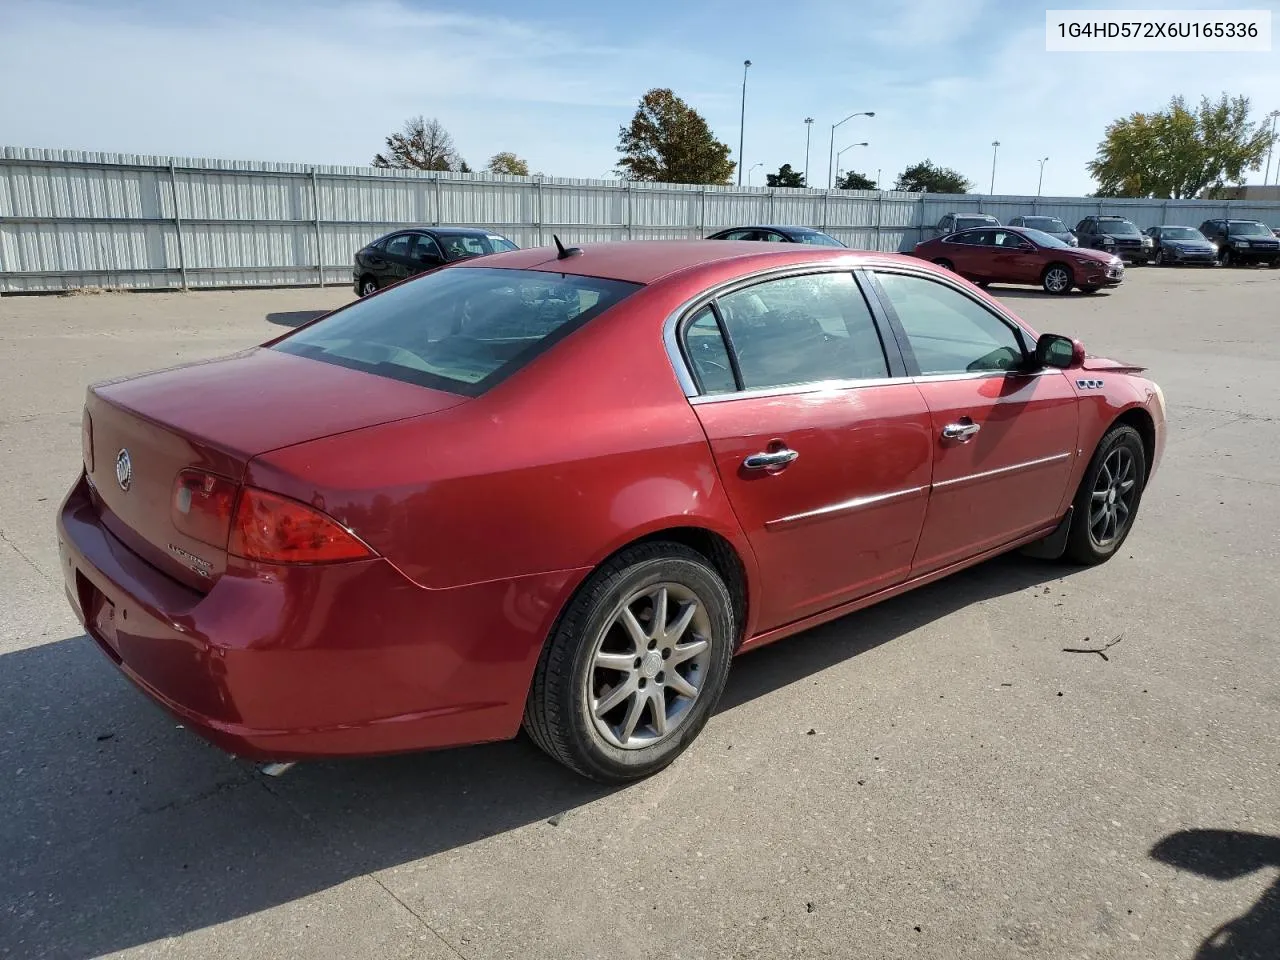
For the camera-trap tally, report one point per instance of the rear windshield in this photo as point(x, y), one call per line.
point(1249, 228)
point(457, 329)
point(963, 223)
point(816, 238)
point(1047, 224)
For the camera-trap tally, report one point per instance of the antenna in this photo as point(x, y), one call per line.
point(563, 252)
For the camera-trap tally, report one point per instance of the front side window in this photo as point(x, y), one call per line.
point(948, 332)
point(425, 248)
point(457, 329)
point(802, 330)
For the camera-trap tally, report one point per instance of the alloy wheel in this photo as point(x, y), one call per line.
point(1114, 490)
point(648, 666)
point(1057, 280)
point(367, 288)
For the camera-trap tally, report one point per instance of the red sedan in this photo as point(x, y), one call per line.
point(988, 255)
point(564, 490)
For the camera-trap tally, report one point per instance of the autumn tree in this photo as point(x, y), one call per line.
point(508, 162)
point(785, 177)
point(422, 145)
point(852, 180)
point(1178, 152)
point(927, 177)
point(669, 142)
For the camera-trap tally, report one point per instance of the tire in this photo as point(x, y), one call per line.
point(945, 264)
point(984, 284)
point(561, 715)
point(368, 286)
point(1160, 261)
point(1226, 258)
point(1094, 536)
point(1275, 264)
point(1057, 279)
point(1089, 289)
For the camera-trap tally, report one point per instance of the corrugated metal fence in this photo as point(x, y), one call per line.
point(71, 219)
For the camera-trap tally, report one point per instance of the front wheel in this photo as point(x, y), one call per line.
point(1160, 260)
point(1226, 258)
point(1107, 500)
point(1057, 279)
point(635, 666)
point(945, 264)
point(368, 286)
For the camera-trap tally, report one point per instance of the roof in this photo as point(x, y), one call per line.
point(644, 261)
point(446, 231)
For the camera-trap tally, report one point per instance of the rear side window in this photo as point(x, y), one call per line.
point(707, 353)
point(457, 329)
point(804, 329)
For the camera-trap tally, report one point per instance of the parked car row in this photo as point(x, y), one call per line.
point(1225, 241)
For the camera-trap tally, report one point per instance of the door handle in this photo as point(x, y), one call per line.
point(771, 458)
point(960, 431)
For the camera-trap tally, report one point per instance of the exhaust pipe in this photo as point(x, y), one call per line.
point(276, 769)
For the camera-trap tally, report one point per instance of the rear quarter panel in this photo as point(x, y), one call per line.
point(590, 446)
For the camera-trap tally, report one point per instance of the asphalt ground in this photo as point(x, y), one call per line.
point(931, 778)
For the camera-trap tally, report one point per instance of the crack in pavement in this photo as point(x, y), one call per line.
point(16, 549)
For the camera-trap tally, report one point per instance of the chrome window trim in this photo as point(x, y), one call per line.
point(847, 263)
point(845, 506)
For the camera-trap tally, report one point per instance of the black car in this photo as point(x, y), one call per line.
point(955, 222)
point(406, 252)
point(1115, 235)
point(776, 234)
point(1243, 242)
point(1177, 245)
point(1050, 225)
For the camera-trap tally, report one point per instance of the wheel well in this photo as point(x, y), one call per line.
point(1141, 421)
point(720, 553)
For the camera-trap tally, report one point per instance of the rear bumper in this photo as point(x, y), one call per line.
point(279, 663)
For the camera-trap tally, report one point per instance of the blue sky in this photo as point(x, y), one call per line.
point(324, 81)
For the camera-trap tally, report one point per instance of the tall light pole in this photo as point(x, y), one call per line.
point(995, 148)
point(1040, 182)
point(742, 119)
point(808, 129)
point(753, 170)
point(840, 153)
point(831, 156)
point(1267, 176)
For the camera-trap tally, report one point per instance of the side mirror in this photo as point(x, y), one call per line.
point(1055, 350)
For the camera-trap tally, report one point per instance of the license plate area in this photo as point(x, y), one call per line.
point(99, 616)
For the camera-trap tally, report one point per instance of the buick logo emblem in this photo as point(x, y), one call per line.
point(124, 469)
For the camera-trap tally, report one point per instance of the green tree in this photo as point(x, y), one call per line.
point(669, 142)
point(422, 145)
point(1177, 152)
point(785, 177)
point(852, 180)
point(927, 177)
point(508, 162)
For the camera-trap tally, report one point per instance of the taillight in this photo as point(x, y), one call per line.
point(279, 530)
point(86, 440)
point(202, 504)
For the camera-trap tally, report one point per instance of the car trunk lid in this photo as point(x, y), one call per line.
point(206, 421)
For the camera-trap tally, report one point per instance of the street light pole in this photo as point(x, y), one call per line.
point(995, 148)
point(753, 170)
point(841, 153)
point(742, 119)
point(1267, 176)
point(831, 155)
point(808, 129)
point(1040, 182)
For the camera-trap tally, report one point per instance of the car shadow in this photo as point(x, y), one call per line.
point(294, 318)
point(121, 828)
point(1230, 855)
point(1026, 293)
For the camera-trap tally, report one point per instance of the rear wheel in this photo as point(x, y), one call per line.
point(1057, 279)
point(1107, 500)
point(368, 285)
point(945, 264)
point(635, 666)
